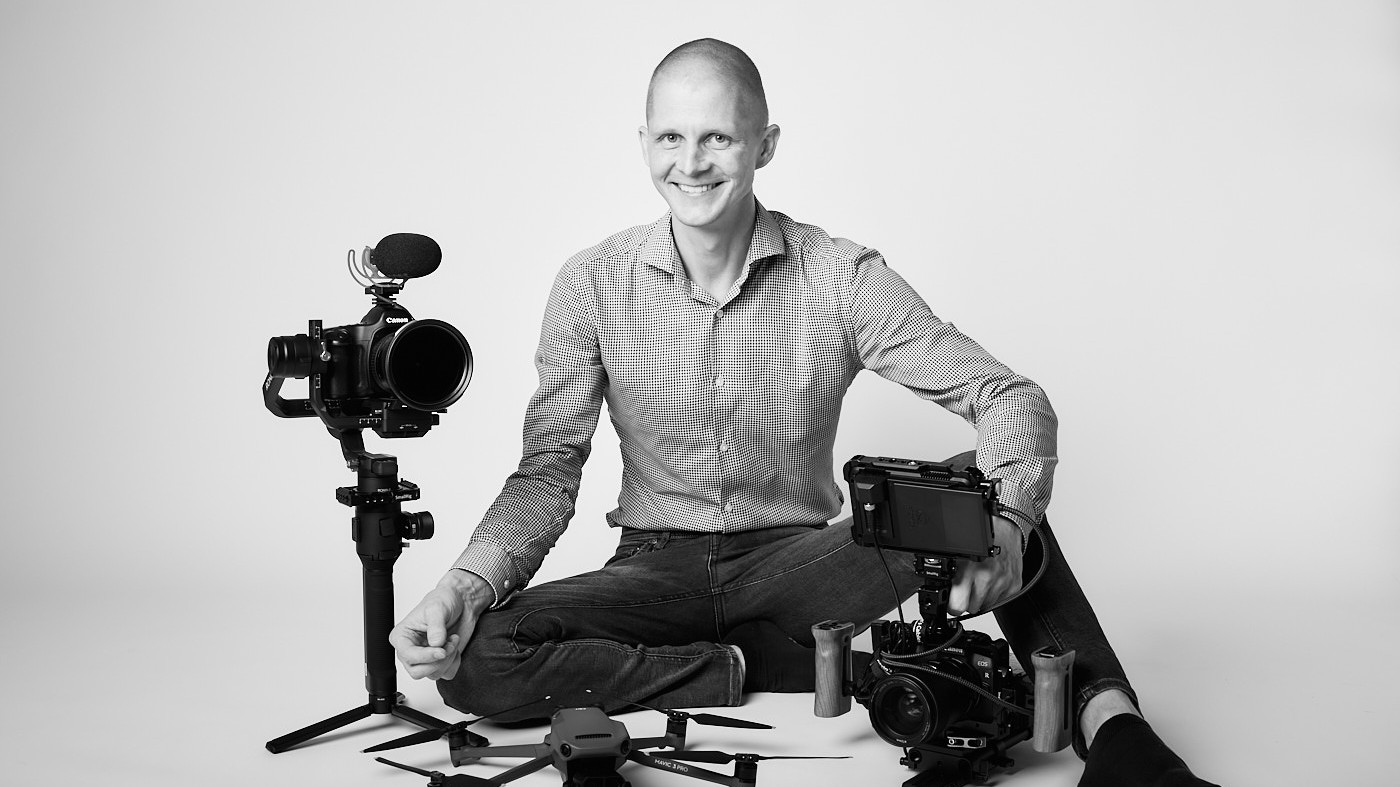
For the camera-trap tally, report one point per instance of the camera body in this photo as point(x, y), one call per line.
point(389, 372)
point(933, 688)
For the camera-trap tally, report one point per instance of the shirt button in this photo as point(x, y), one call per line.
point(728, 507)
point(719, 313)
point(724, 446)
point(719, 381)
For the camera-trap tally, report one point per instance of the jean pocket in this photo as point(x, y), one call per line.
point(635, 542)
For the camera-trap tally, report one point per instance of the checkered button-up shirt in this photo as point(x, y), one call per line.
point(726, 410)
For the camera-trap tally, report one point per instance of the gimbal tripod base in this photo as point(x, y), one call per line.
point(379, 527)
point(291, 739)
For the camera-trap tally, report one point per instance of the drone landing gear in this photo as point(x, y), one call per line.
point(378, 528)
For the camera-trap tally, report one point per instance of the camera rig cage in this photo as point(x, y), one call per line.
point(942, 693)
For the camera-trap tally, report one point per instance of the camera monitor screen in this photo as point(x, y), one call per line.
point(937, 521)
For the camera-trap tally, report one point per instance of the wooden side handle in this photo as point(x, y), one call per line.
point(833, 667)
point(1052, 728)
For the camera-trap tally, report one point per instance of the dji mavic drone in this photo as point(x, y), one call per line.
point(588, 748)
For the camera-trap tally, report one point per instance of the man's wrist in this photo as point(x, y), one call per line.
point(1022, 535)
point(473, 590)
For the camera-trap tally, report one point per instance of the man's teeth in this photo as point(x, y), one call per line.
point(696, 189)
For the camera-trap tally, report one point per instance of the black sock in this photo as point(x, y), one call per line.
point(772, 661)
point(1127, 753)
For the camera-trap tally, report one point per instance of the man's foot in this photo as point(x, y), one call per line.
point(771, 661)
point(1126, 752)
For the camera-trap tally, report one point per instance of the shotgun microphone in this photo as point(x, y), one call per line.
point(404, 255)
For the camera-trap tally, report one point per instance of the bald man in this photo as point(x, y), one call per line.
point(723, 337)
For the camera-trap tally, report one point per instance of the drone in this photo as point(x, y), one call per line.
point(588, 747)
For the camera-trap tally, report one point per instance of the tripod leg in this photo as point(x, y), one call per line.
point(279, 745)
point(418, 717)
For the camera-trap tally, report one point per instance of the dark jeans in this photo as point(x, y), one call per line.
point(645, 627)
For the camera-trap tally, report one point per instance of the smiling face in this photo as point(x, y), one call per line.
point(704, 138)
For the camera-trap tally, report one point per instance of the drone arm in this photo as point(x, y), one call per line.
point(684, 769)
point(513, 750)
point(465, 754)
point(524, 768)
point(674, 738)
point(658, 742)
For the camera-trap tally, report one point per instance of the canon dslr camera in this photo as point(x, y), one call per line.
point(388, 372)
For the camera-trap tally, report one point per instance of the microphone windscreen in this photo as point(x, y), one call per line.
point(406, 255)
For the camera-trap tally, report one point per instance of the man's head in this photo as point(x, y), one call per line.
point(707, 132)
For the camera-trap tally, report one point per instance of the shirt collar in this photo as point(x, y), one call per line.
point(659, 249)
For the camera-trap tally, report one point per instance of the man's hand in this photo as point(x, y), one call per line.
point(430, 639)
point(981, 585)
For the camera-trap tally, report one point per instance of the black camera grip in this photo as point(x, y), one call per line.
point(1053, 726)
point(834, 676)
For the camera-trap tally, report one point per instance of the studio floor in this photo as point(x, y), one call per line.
point(125, 689)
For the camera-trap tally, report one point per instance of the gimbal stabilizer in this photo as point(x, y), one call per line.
point(379, 527)
point(393, 374)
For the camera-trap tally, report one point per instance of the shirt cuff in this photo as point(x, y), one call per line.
point(1018, 507)
point(492, 564)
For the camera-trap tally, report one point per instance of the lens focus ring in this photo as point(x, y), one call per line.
point(289, 356)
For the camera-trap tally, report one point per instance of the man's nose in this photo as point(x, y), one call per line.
point(692, 159)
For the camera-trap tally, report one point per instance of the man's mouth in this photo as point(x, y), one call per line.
point(685, 189)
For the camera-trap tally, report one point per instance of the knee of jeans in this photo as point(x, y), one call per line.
point(535, 629)
point(485, 676)
point(462, 693)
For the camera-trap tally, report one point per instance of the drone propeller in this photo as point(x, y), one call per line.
point(708, 719)
point(440, 779)
point(724, 758)
point(426, 736)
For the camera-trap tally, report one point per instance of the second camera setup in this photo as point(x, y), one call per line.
point(949, 697)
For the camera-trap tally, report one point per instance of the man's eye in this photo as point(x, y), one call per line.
point(719, 141)
point(670, 140)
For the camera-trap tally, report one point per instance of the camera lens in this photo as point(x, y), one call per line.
point(426, 364)
point(902, 710)
point(906, 710)
point(417, 526)
point(289, 356)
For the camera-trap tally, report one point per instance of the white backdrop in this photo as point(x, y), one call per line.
point(1182, 219)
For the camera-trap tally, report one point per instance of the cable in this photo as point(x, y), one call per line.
point(894, 587)
point(957, 634)
point(1017, 512)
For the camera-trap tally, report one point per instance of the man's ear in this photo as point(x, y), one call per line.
point(642, 135)
point(769, 145)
